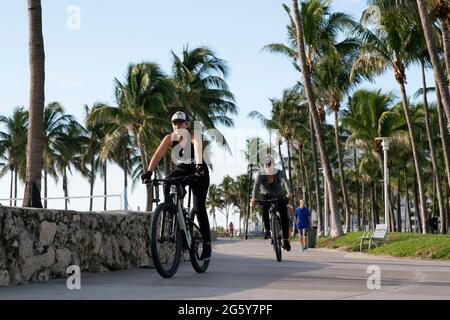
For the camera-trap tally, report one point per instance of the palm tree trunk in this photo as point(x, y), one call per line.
point(45, 188)
point(15, 187)
point(362, 222)
point(341, 172)
point(289, 165)
point(145, 162)
point(35, 142)
point(376, 211)
point(91, 185)
point(125, 181)
point(443, 133)
point(358, 208)
point(373, 206)
point(399, 204)
point(412, 138)
point(66, 193)
point(407, 203)
point(281, 157)
point(316, 175)
point(11, 187)
point(308, 189)
point(336, 229)
point(416, 203)
point(302, 171)
point(391, 210)
point(105, 185)
point(445, 28)
point(434, 164)
point(427, 26)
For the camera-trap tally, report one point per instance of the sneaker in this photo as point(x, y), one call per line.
point(286, 245)
point(267, 235)
point(206, 252)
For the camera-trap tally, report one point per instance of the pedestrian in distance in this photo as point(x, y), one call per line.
point(303, 223)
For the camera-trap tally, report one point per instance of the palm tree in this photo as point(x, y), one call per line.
point(430, 135)
point(140, 112)
point(369, 114)
point(95, 132)
point(13, 141)
point(228, 190)
point(427, 26)
point(214, 202)
point(241, 188)
point(55, 122)
point(35, 143)
point(201, 89)
point(336, 230)
point(70, 147)
point(333, 77)
point(392, 45)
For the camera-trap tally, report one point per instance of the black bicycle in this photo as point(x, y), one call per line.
point(275, 226)
point(174, 230)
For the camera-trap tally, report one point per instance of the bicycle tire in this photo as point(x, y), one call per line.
point(200, 266)
point(156, 242)
point(276, 238)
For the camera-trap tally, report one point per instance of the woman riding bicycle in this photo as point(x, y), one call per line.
point(187, 155)
point(272, 181)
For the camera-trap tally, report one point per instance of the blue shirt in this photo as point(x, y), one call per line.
point(302, 216)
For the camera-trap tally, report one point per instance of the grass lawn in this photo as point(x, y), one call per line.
point(428, 246)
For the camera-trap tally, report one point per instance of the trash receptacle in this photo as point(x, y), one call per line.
point(312, 236)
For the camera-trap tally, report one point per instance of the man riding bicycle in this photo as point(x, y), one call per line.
point(272, 181)
point(187, 154)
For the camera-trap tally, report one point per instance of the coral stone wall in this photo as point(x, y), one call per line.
point(39, 244)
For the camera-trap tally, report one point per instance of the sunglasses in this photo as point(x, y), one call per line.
point(268, 164)
point(178, 121)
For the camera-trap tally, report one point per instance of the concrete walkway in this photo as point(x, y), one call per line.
point(248, 270)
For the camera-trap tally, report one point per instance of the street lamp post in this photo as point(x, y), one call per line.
point(248, 204)
point(385, 144)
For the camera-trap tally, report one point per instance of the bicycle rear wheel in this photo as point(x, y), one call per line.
point(276, 237)
point(165, 241)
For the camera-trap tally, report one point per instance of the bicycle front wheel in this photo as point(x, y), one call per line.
point(165, 240)
point(276, 237)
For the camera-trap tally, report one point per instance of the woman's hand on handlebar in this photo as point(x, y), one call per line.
point(147, 177)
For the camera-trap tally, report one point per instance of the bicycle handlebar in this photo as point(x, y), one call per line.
point(270, 200)
point(171, 181)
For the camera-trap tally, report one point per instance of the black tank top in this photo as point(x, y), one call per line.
point(181, 159)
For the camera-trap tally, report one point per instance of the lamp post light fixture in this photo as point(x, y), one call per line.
point(385, 144)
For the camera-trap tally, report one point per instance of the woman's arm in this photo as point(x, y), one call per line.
point(160, 152)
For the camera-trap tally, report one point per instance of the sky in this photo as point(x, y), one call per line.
point(89, 43)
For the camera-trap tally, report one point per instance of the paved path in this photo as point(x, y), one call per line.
point(248, 270)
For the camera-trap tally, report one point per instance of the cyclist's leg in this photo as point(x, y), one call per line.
point(199, 194)
point(265, 215)
point(177, 172)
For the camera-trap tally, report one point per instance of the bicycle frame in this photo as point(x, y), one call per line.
point(178, 202)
